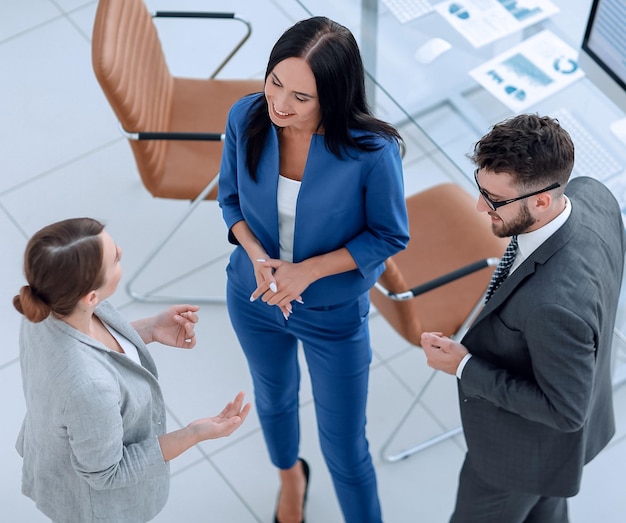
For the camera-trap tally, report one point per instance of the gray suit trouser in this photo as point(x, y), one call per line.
point(479, 502)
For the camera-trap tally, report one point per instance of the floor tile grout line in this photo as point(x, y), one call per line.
point(33, 28)
point(68, 16)
point(209, 457)
point(13, 221)
point(234, 490)
point(63, 14)
point(206, 457)
point(59, 167)
point(190, 272)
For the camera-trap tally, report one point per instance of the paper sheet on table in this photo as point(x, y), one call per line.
point(483, 21)
point(530, 71)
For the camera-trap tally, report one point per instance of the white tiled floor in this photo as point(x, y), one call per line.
point(62, 156)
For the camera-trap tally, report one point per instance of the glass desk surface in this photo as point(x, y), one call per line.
point(440, 97)
point(441, 111)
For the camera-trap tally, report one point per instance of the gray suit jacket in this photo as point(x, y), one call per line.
point(89, 437)
point(536, 396)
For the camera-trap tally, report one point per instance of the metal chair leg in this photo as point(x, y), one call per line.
point(405, 453)
point(152, 298)
point(418, 447)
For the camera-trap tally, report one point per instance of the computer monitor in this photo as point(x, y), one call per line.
point(603, 54)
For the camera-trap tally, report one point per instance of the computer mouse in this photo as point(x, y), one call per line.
point(431, 49)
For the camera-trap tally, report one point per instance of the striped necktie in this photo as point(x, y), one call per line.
point(503, 268)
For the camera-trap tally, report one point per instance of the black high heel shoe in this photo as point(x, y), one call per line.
point(306, 470)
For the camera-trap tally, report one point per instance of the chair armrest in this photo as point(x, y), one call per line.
point(440, 281)
point(211, 137)
point(214, 16)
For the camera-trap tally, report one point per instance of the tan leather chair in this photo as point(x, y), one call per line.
point(174, 125)
point(439, 281)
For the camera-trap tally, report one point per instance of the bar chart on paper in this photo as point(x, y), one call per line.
point(520, 12)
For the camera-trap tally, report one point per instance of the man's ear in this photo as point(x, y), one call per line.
point(543, 201)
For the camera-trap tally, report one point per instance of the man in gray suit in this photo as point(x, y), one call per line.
point(534, 369)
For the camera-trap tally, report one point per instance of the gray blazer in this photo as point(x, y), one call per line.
point(536, 397)
point(89, 437)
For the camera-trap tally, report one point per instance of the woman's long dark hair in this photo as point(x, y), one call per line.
point(334, 58)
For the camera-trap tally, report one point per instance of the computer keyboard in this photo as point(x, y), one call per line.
point(407, 10)
point(591, 158)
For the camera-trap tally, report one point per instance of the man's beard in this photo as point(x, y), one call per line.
point(518, 225)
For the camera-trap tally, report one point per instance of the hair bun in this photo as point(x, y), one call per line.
point(30, 304)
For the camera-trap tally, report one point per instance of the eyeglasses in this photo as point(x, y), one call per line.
point(496, 205)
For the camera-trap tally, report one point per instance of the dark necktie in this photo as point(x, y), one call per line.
point(503, 268)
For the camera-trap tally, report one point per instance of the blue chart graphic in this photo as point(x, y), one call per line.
point(459, 11)
point(524, 68)
point(565, 65)
point(520, 13)
point(527, 72)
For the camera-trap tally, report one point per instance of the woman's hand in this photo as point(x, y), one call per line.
point(174, 443)
point(264, 276)
point(225, 423)
point(174, 326)
point(290, 280)
point(267, 285)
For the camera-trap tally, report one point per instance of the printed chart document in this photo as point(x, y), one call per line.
point(484, 21)
point(530, 71)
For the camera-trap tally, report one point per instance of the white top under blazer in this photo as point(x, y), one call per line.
point(287, 197)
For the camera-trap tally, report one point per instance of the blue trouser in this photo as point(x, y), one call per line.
point(338, 354)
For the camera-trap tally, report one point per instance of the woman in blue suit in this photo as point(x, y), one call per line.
point(311, 190)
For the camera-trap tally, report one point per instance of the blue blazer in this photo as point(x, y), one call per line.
point(356, 202)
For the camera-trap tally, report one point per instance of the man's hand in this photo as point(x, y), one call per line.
point(442, 353)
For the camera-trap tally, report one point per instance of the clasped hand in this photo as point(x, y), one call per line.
point(280, 283)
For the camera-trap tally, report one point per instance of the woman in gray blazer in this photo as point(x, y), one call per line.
point(93, 440)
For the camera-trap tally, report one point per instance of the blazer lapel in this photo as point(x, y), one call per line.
point(542, 254)
point(111, 316)
point(266, 188)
